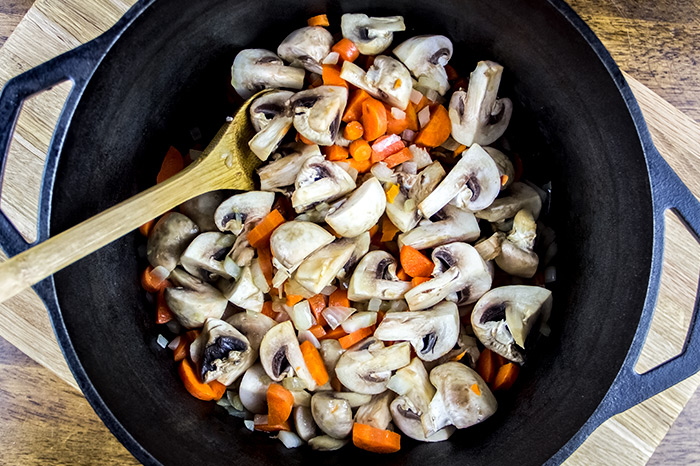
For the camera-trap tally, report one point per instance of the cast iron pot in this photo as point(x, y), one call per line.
point(164, 69)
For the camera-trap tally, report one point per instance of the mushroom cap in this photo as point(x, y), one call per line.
point(254, 325)
point(367, 370)
point(192, 300)
point(517, 257)
point(294, 241)
point(269, 106)
point(519, 196)
point(227, 354)
point(256, 69)
point(241, 209)
point(407, 418)
point(376, 413)
point(201, 209)
point(283, 172)
point(280, 355)
point(320, 180)
point(457, 225)
point(253, 389)
point(333, 415)
point(387, 80)
point(318, 111)
point(169, 239)
point(371, 35)
point(306, 47)
point(375, 277)
point(360, 211)
point(426, 56)
point(321, 267)
point(205, 255)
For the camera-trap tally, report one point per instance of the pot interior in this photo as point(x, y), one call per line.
point(169, 73)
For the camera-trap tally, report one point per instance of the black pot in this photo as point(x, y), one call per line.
point(164, 68)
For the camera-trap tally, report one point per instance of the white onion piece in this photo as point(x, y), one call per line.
point(432, 95)
point(550, 274)
point(409, 167)
point(383, 173)
point(174, 326)
point(162, 341)
point(331, 59)
point(260, 419)
point(416, 96)
point(306, 335)
point(327, 291)
point(424, 116)
point(397, 113)
point(175, 343)
point(259, 277)
point(160, 273)
point(420, 156)
point(250, 425)
point(408, 135)
point(450, 144)
point(374, 304)
point(290, 439)
point(301, 315)
point(232, 268)
point(336, 315)
point(359, 320)
point(279, 278)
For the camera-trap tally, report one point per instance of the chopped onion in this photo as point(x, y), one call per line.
point(301, 315)
point(232, 268)
point(175, 343)
point(235, 400)
point(194, 154)
point(331, 58)
point(258, 277)
point(174, 326)
point(408, 135)
point(432, 95)
point(195, 134)
point(336, 315)
point(306, 335)
point(416, 96)
point(420, 156)
point(550, 274)
point(545, 329)
point(160, 273)
point(397, 113)
point(294, 383)
point(260, 419)
point(162, 341)
point(359, 320)
point(399, 305)
point(279, 278)
point(450, 144)
point(383, 173)
point(424, 116)
point(250, 425)
point(409, 167)
point(224, 402)
point(290, 439)
point(374, 304)
point(327, 291)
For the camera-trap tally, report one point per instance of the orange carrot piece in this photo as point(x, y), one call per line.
point(163, 312)
point(375, 440)
point(314, 362)
point(260, 235)
point(424, 102)
point(504, 180)
point(373, 231)
point(267, 310)
point(486, 366)
point(411, 117)
point(318, 304)
point(374, 119)
point(385, 146)
point(437, 130)
point(182, 349)
point(403, 276)
point(459, 150)
point(389, 230)
point(318, 20)
point(317, 330)
point(172, 164)
point(280, 402)
point(335, 384)
point(331, 76)
point(347, 50)
point(151, 283)
point(218, 389)
point(399, 157)
point(360, 150)
point(475, 388)
point(146, 228)
point(358, 335)
point(196, 388)
point(361, 167)
point(353, 110)
point(353, 131)
point(267, 426)
point(415, 281)
point(335, 153)
point(265, 261)
point(292, 299)
point(339, 298)
point(505, 378)
point(415, 263)
point(452, 74)
point(334, 334)
point(393, 125)
point(301, 138)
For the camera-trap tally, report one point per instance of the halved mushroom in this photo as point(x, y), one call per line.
point(321, 267)
point(366, 368)
point(361, 246)
point(387, 80)
point(256, 69)
point(360, 211)
point(503, 317)
point(283, 172)
point(473, 183)
point(456, 225)
point(168, 240)
point(375, 277)
point(201, 209)
point(517, 257)
point(317, 113)
point(424, 182)
point(408, 419)
point(376, 413)
point(306, 47)
point(478, 116)
point(432, 333)
point(192, 300)
point(226, 352)
point(244, 293)
point(426, 57)
point(304, 423)
point(371, 35)
point(281, 357)
point(466, 348)
point(505, 166)
point(254, 325)
point(318, 181)
point(519, 196)
point(403, 212)
point(333, 415)
point(489, 248)
point(204, 257)
point(458, 268)
point(271, 115)
point(455, 402)
point(294, 241)
point(241, 209)
point(253, 389)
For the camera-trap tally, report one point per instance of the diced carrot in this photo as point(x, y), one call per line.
point(358, 335)
point(146, 228)
point(218, 388)
point(196, 388)
point(334, 334)
point(504, 180)
point(317, 82)
point(301, 138)
point(373, 231)
point(437, 130)
point(459, 356)
point(375, 440)
point(360, 150)
point(415, 281)
point(318, 304)
point(380, 317)
point(353, 109)
point(452, 74)
point(415, 263)
point(265, 261)
point(260, 235)
point(335, 384)
point(280, 402)
point(361, 167)
point(150, 283)
point(314, 362)
point(389, 230)
point(411, 117)
point(335, 153)
point(331, 76)
point(394, 125)
point(353, 131)
point(475, 388)
point(399, 157)
point(505, 378)
point(182, 349)
point(374, 119)
point(172, 164)
point(459, 150)
point(267, 310)
point(385, 146)
point(486, 366)
point(346, 49)
point(163, 312)
point(403, 276)
point(292, 299)
point(339, 298)
point(192, 335)
point(317, 330)
point(318, 20)
point(267, 426)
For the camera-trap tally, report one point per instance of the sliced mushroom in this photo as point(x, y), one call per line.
point(317, 113)
point(192, 300)
point(253, 389)
point(361, 244)
point(426, 57)
point(473, 183)
point(432, 333)
point(466, 348)
point(272, 118)
point(281, 357)
point(319, 181)
point(327, 443)
point(407, 418)
point(304, 422)
point(519, 196)
point(256, 69)
point(477, 115)
point(306, 47)
point(456, 225)
point(489, 248)
point(376, 413)
point(244, 293)
point(332, 415)
point(458, 268)
point(294, 241)
point(201, 209)
point(517, 257)
point(254, 325)
point(387, 80)
point(241, 209)
point(368, 369)
point(360, 211)
point(505, 166)
point(375, 277)
point(503, 317)
point(283, 172)
point(169, 239)
point(321, 267)
point(371, 35)
point(456, 402)
point(204, 257)
point(226, 352)
point(425, 182)
point(403, 212)
point(330, 353)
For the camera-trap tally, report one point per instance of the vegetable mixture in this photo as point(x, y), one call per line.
point(384, 278)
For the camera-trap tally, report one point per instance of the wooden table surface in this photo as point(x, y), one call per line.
point(43, 421)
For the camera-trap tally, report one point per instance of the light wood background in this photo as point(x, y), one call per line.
point(44, 420)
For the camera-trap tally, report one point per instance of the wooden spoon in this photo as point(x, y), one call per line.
point(226, 163)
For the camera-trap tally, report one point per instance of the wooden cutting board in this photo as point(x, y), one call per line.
point(53, 26)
